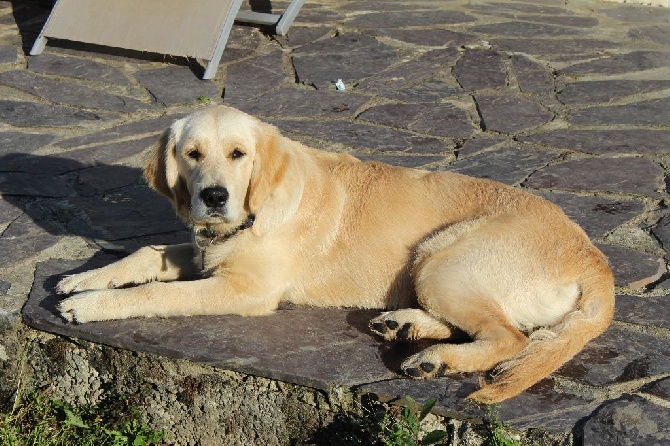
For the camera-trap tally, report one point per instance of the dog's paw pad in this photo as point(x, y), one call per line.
point(389, 328)
point(418, 368)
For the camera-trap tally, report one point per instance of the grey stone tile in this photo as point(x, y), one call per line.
point(432, 119)
point(651, 112)
point(621, 63)
point(301, 35)
point(349, 57)
point(643, 310)
point(176, 85)
point(655, 33)
point(108, 153)
point(429, 91)
point(532, 76)
point(42, 166)
point(77, 68)
point(399, 19)
point(4, 287)
point(628, 420)
point(602, 142)
point(562, 20)
point(62, 92)
point(509, 165)
point(151, 125)
point(8, 211)
point(403, 161)
point(101, 179)
point(554, 47)
point(31, 114)
point(630, 266)
point(510, 114)
point(480, 69)
point(427, 37)
point(514, 7)
point(25, 237)
point(253, 77)
point(619, 355)
point(33, 185)
point(525, 29)
point(19, 142)
point(8, 54)
point(366, 136)
point(660, 388)
point(642, 14)
point(597, 215)
point(481, 142)
point(661, 231)
point(123, 214)
point(624, 175)
point(296, 102)
point(268, 346)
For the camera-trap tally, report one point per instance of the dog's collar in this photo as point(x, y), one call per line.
point(205, 237)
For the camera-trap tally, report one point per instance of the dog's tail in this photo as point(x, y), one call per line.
point(547, 350)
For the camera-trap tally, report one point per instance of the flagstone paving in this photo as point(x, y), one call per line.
point(569, 101)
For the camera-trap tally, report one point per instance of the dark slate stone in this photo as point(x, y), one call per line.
point(660, 388)
point(41, 165)
point(510, 114)
point(625, 14)
point(661, 231)
point(655, 33)
point(427, 37)
point(399, 19)
point(532, 76)
point(153, 126)
point(624, 175)
point(67, 93)
point(508, 165)
point(25, 237)
point(268, 346)
point(553, 47)
point(8, 54)
point(429, 91)
point(403, 161)
point(365, 136)
point(176, 85)
point(75, 67)
point(296, 102)
point(31, 114)
point(630, 420)
point(474, 146)
point(349, 57)
point(102, 179)
point(525, 29)
point(8, 211)
point(602, 142)
point(621, 63)
point(605, 91)
point(33, 185)
point(108, 153)
point(498, 8)
point(643, 310)
point(480, 69)
point(375, 6)
point(432, 119)
point(408, 74)
point(301, 35)
point(598, 215)
point(652, 112)
point(619, 355)
point(563, 20)
point(4, 287)
point(253, 77)
point(319, 14)
point(632, 267)
point(18, 142)
point(126, 213)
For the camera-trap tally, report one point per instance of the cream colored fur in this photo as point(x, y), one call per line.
point(445, 250)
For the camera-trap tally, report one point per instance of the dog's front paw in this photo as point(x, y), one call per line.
point(386, 326)
point(86, 281)
point(421, 366)
point(82, 308)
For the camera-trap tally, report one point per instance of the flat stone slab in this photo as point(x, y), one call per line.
point(554, 47)
point(643, 310)
point(30, 233)
point(480, 69)
point(631, 267)
point(621, 63)
point(19, 142)
point(296, 102)
point(176, 85)
point(32, 114)
point(605, 91)
point(77, 68)
point(349, 57)
point(399, 19)
point(602, 142)
point(532, 76)
point(525, 29)
point(601, 174)
point(509, 165)
point(652, 112)
point(253, 77)
point(510, 114)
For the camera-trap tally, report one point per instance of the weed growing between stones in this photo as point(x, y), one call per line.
point(499, 435)
point(40, 420)
point(401, 426)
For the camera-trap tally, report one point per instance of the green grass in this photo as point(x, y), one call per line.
point(39, 420)
point(402, 426)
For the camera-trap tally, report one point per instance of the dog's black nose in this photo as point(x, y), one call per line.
point(214, 197)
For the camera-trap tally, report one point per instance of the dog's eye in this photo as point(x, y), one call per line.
point(236, 154)
point(194, 154)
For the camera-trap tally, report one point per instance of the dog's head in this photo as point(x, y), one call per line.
point(217, 166)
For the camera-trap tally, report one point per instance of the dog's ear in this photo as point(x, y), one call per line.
point(270, 166)
point(162, 174)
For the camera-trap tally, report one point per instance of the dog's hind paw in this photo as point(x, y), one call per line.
point(390, 329)
point(419, 367)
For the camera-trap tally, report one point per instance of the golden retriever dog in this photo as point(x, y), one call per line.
point(275, 221)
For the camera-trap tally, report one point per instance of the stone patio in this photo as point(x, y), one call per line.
point(569, 101)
